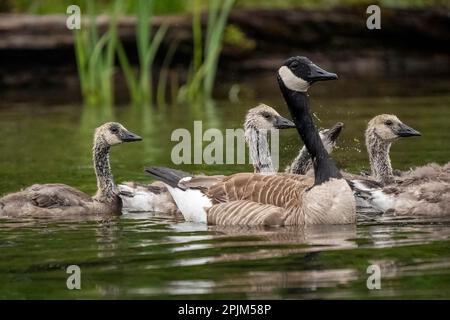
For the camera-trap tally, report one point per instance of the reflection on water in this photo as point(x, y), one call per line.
point(152, 256)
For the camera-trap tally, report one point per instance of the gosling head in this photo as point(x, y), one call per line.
point(389, 128)
point(265, 117)
point(329, 136)
point(299, 73)
point(113, 133)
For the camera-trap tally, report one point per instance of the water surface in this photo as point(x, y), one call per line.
point(150, 256)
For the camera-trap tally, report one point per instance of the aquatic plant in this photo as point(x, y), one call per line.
point(202, 75)
point(140, 85)
point(95, 57)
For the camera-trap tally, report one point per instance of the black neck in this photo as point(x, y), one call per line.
point(324, 166)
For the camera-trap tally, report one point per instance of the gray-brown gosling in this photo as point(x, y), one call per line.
point(258, 122)
point(63, 200)
point(419, 191)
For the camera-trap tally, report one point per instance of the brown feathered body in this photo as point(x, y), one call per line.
point(423, 191)
point(275, 199)
point(48, 200)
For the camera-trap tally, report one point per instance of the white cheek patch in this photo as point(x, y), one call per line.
point(291, 81)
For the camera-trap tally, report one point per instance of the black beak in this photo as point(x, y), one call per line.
point(318, 74)
point(129, 136)
point(283, 123)
point(406, 131)
point(335, 131)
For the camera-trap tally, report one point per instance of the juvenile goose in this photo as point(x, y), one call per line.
point(302, 163)
point(258, 122)
point(257, 199)
point(60, 199)
point(156, 198)
point(421, 191)
point(381, 131)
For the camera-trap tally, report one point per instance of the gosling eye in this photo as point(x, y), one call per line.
point(114, 130)
point(267, 116)
point(388, 122)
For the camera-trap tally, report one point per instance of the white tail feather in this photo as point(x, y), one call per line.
point(378, 199)
point(192, 203)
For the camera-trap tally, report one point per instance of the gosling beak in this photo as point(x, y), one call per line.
point(406, 131)
point(283, 123)
point(335, 131)
point(318, 74)
point(129, 136)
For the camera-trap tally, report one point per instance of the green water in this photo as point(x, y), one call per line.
point(148, 256)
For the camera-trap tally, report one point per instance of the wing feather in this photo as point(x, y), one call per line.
point(56, 195)
point(243, 212)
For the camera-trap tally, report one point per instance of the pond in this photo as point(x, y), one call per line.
point(151, 256)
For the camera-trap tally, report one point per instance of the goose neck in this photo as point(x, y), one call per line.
point(302, 162)
point(105, 182)
point(324, 167)
point(259, 150)
point(380, 162)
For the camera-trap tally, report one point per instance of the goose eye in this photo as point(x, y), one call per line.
point(294, 65)
point(388, 123)
point(114, 130)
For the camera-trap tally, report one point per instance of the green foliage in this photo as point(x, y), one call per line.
point(95, 57)
point(206, 52)
point(53, 7)
point(140, 86)
point(233, 36)
point(96, 54)
point(162, 7)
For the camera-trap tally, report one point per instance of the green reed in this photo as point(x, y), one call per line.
point(140, 85)
point(95, 56)
point(206, 50)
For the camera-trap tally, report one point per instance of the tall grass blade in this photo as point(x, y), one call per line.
point(214, 46)
point(129, 74)
point(163, 76)
point(153, 49)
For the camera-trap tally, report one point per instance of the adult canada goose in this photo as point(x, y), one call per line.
point(155, 197)
point(257, 199)
point(60, 199)
point(302, 163)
